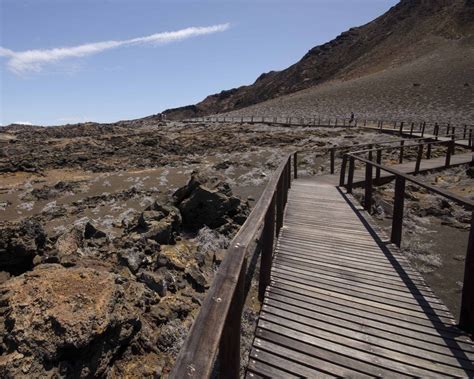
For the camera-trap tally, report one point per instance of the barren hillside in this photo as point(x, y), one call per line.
point(415, 60)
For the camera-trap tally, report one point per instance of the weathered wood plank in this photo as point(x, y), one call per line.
point(294, 369)
point(362, 352)
point(362, 332)
point(432, 338)
point(298, 352)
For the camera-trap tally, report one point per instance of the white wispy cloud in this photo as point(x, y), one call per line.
point(33, 60)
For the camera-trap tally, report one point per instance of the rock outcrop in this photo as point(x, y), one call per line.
point(207, 202)
point(65, 322)
point(19, 243)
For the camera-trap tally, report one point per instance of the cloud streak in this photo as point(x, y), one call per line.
point(21, 62)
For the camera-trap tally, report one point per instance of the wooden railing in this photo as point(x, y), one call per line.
point(215, 333)
point(421, 126)
point(278, 120)
point(460, 132)
point(466, 320)
point(332, 150)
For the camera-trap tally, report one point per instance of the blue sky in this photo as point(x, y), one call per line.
point(143, 71)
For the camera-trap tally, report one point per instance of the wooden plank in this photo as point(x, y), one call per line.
point(349, 273)
point(362, 353)
point(323, 252)
point(399, 293)
point(335, 262)
point(317, 263)
point(351, 278)
point(293, 369)
point(362, 332)
point(305, 354)
point(355, 294)
point(399, 320)
point(317, 291)
point(439, 339)
point(264, 370)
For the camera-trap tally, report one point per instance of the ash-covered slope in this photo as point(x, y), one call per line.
point(406, 33)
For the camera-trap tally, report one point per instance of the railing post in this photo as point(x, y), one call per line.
point(268, 235)
point(401, 129)
point(285, 186)
point(377, 169)
point(402, 144)
point(397, 221)
point(295, 165)
point(466, 320)
point(418, 158)
point(333, 158)
point(448, 153)
point(423, 129)
point(342, 176)
point(288, 177)
point(368, 187)
point(428, 151)
point(436, 130)
point(411, 129)
point(229, 352)
point(464, 132)
point(279, 205)
point(350, 177)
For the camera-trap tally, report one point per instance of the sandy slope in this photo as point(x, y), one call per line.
point(420, 90)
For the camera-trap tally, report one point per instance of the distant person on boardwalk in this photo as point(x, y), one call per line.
point(351, 120)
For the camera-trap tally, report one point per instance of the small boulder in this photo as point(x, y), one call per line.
point(19, 243)
point(91, 232)
point(154, 280)
point(207, 203)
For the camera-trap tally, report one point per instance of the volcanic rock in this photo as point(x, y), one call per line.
point(19, 243)
point(158, 223)
point(64, 322)
point(203, 202)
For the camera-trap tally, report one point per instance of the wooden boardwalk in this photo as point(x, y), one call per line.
point(343, 301)
point(409, 167)
point(407, 134)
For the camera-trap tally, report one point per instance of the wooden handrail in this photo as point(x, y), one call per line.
point(217, 325)
point(463, 201)
point(333, 122)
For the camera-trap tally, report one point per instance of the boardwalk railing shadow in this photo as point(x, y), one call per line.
point(387, 247)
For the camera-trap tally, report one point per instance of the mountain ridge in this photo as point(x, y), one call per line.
point(407, 31)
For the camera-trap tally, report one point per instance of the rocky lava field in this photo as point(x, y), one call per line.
point(110, 235)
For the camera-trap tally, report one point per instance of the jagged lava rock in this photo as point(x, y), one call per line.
point(71, 320)
point(204, 202)
point(19, 243)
